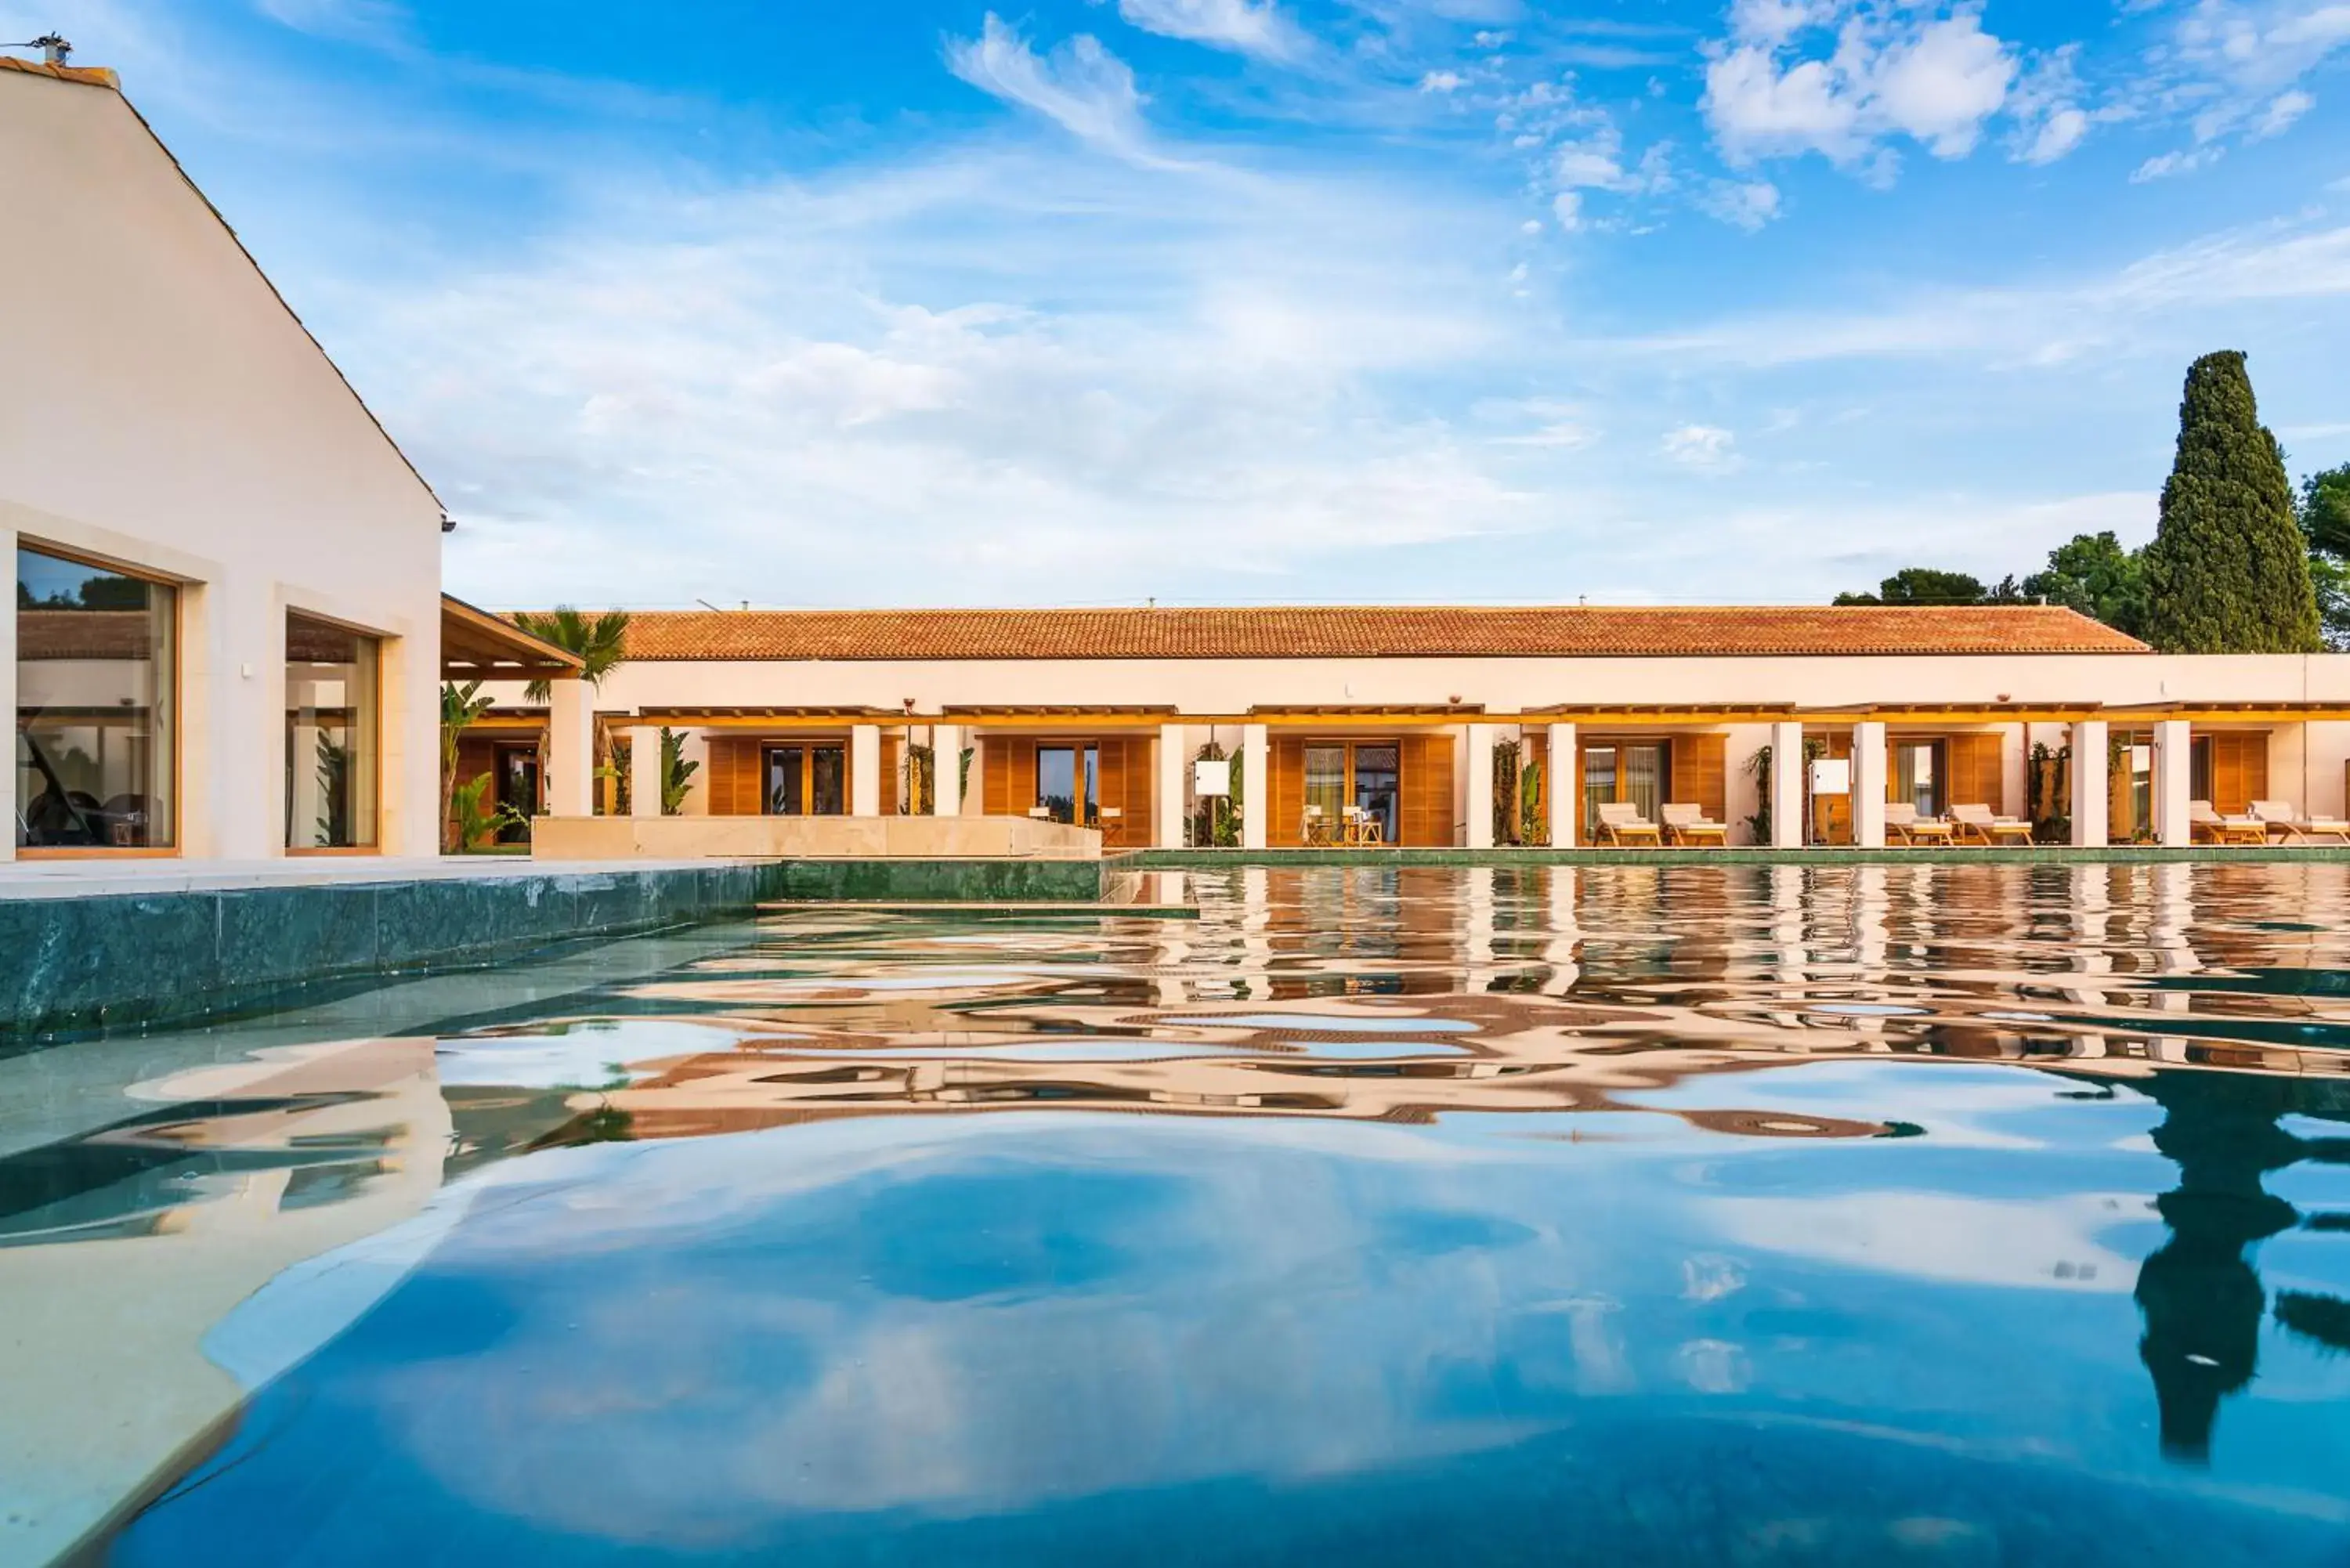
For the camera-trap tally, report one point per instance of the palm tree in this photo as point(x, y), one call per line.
point(600, 643)
point(459, 706)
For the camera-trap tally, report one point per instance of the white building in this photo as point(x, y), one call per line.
point(226, 639)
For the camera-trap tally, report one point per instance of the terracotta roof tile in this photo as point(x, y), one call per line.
point(90, 76)
point(1363, 632)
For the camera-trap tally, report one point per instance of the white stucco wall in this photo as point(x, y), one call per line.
point(161, 409)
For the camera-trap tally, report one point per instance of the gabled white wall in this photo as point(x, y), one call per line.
point(161, 407)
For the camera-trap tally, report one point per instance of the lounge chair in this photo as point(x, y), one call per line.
point(1977, 824)
point(2205, 826)
point(1688, 825)
point(2282, 822)
point(1620, 823)
point(1904, 826)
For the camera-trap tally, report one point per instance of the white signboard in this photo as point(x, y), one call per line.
point(1211, 778)
point(1831, 776)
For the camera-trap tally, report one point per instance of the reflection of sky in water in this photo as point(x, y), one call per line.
point(1511, 1217)
point(1061, 1337)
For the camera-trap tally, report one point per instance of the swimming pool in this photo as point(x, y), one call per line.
point(1950, 1214)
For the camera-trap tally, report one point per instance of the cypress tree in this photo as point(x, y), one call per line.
point(2228, 571)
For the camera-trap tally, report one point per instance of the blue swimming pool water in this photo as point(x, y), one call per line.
point(1978, 1216)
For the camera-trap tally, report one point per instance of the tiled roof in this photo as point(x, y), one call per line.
point(1361, 632)
point(90, 75)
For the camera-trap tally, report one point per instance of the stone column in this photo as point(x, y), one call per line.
point(644, 770)
point(2172, 781)
point(946, 771)
point(865, 770)
point(2092, 799)
point(1787, 785)
point(1253, 773)
point(1174, 772)
point(695, 748)
point(570, 763)
point(1868, 764)
point(1479, 774)
point(1559, 798)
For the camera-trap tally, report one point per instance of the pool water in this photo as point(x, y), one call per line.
point(1692, 1215)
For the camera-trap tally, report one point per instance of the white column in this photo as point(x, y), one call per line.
point(9, 804)
point(644, 770)
point(1479, 774)
point(1787, 785)
point(1558, 789)
point(946, 771)
point(1253, 815)
point(865, 770)
point(571, 746)
point(1174, 769)
point(2091, 753)
point(1869, 762)
point(2172, 741)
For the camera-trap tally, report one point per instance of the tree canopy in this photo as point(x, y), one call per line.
point(2228, 569)
point(2093, 574)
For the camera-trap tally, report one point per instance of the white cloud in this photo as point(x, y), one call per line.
point(1245, 26)
point(2058, 134)
point(1744, 205)
point(1568, 208)
point(1598, 161)
point(1935, 80)
point(356, 21)
point(1709, 448)
point(1081, 86)
point(2282, 111)
point(2163, 166)
point(1442, 81)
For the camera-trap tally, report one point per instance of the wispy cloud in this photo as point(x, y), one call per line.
point(1080, 85)
point(1245, 26)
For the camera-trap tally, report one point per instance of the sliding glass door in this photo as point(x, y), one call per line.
point(1068, 784)
point(810, 779)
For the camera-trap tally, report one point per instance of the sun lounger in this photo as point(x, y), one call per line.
point(1904, 826)
point(2281, 821)
point(1977, 825)
point(2205, 826)
point(1620, 823)
point(1687, 825)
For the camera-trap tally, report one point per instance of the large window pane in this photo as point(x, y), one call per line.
point(332, 734)
point(96, 707)
point(1644, 780)
point(1057, 782)
point(787, 793)
point(828, 780)
point(1378, 777)
point(1326, 786)
point(1598, 786)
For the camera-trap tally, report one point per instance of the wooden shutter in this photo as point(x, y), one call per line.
point(1978, 776)
point(2239, 770)
point(893, 750)
point(733, 784)
point(1138, 790)
point(996, 777)
point(1284, 795)
point(1427, 790)
point(1699, 773)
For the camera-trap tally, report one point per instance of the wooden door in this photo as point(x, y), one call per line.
point(1699, 773)
point(2239, 770)
point(1978, 772)
point(733, 783)
point(1285, 795)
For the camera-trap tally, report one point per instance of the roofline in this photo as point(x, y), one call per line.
point(100, 77)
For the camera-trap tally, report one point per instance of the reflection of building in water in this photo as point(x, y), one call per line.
point(121, 1251)
point(2200, 1294)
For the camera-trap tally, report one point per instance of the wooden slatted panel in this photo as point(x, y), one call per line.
point(1427, 818)
point(1976, 775)
point(2239, 770)
point(732, 776)
point(1011, 776)
point(1141, 793)
point(996, 777)
point(1284, 795)
point(1700, 765)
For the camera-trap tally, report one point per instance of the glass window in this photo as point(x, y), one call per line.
point(1067, 781)
point(828, 780)
point(2199, 768)
point(786, 793)
point(1598, 786)
point(1644, 779)
point(332, 735)
point(1325, 785)
point(1917, 775)
point(96, 707)
point(1377, 792)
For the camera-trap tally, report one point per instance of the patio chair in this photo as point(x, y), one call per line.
point(2205, 826)
point(1904, 826)
point(1620, 823)
point(1315, 832)
point(1687, 825)
point(1978, 824)
point(2282, 822)
point(1112, 821)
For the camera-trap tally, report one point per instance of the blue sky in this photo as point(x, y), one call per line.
point(1084, 301)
